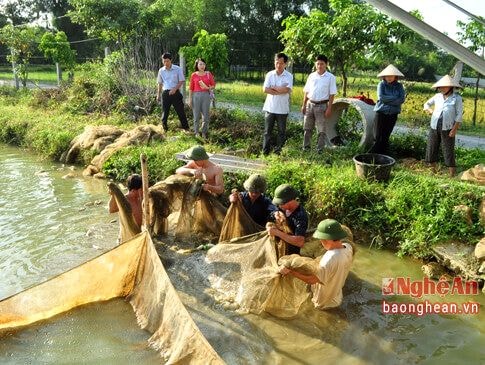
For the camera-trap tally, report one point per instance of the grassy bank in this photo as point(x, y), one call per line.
point(251, 94)
point(410, 213)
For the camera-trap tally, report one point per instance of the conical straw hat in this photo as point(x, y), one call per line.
point(390, 70)
point(446, 81)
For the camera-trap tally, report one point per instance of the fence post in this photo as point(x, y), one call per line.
point(289, 68)
point(15, 76)
point(183, 67)
point(107, 52)
point(59, 74)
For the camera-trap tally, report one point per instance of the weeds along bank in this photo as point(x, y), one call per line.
point(410, 213)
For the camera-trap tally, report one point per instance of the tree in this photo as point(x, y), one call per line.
point(416, 57)
point(22, 42)
point(473, 32)
point(254, 27)
point(345, 35)
point(107, 19)
point(212, 48)
point(19, 11)
point(57, 48)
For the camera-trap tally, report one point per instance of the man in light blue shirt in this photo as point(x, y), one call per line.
point(170, 79)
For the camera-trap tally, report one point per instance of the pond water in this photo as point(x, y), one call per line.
point(49, 224)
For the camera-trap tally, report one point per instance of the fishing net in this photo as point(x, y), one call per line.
point(128, 227)
point(131, 270)
point(180, 200)
point(245, 270)
point(238, 223)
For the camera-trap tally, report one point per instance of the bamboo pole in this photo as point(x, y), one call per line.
point(144, 178)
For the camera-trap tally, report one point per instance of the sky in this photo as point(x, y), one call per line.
point(442, 16)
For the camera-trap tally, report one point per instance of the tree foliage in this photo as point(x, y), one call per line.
point(108, 19)
point(416, 57)
point(345, 34)
point(56, 47)
point(473, 32)
point(212, 48)
point(22, 42)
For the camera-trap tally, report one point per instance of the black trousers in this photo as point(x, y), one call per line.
point(269, 122)
point(177, 101)
point(384, 125)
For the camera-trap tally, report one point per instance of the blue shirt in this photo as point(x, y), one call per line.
point(298, 223)
point(170, 78)
point(451, 109)
point(390, 97)
point(260, 210)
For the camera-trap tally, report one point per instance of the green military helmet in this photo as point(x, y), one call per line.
point(255, 183)
point(197, 153)
point(329, 229)
point(284, 193)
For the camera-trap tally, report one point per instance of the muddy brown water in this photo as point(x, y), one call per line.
point(49, 224)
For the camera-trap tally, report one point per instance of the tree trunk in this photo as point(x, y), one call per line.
point(344, 78)
point(15, 75)
point(184, 70)
point(475, 101)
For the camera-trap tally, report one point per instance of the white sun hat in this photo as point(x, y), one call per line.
point(446, 81)
point(390, 70)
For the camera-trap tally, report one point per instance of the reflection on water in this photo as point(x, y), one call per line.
point(355, 333)
point(48, 224)
point(98, 333)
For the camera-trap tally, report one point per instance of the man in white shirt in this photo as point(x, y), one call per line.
point(277, 85)
point(318, 95)
point(328, 281)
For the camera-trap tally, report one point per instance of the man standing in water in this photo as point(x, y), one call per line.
point(134, 198)
point(257, 205)
point(170, 79)
point(334, 266)
point(277, 85)
point(200, 167)
point(286, 199)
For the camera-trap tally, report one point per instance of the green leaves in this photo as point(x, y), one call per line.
point(22, 42)
point(211, 47)
point(56, 47)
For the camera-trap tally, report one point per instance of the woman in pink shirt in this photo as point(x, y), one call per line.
point(200, 87)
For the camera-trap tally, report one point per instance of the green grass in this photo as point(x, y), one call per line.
point(409, 213)
point(44, 74)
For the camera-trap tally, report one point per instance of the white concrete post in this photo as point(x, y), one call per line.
point(107, 52)
point(184, 70)
point(59, 74)
point(15, 76)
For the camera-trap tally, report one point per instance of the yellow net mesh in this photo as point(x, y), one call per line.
point(192, 210)
point(238, 223)
point(245, 270)
point(132, 270)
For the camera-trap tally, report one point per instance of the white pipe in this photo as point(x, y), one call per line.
point(428, 32)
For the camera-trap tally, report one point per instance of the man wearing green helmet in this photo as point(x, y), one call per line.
point(256, 204)
point(286, 199)
point(334, 266)
point(200, 167)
